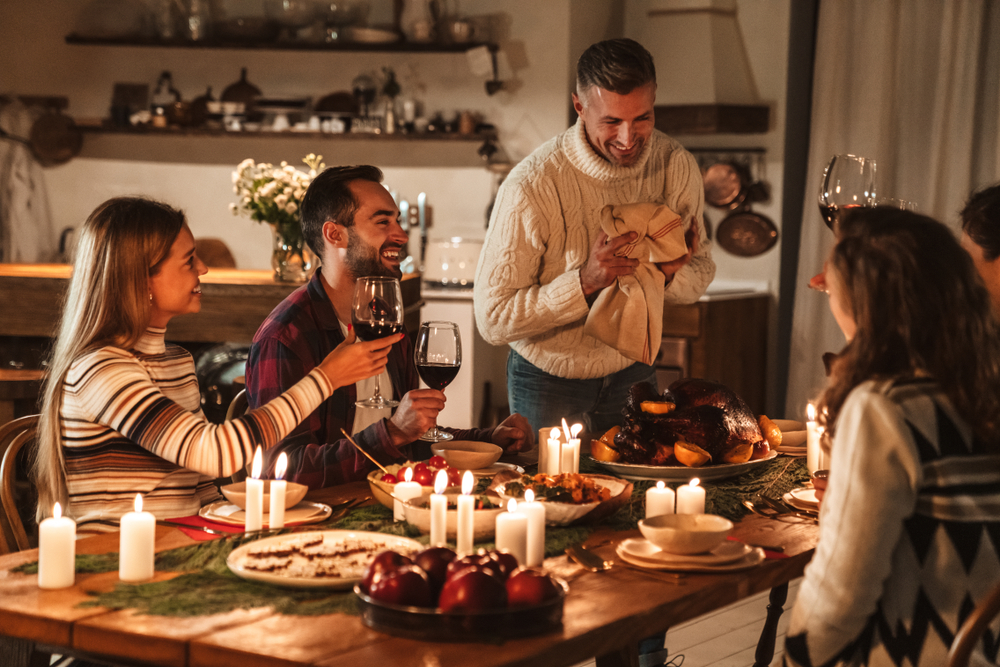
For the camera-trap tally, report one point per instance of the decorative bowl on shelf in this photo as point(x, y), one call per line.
point(237, 494)
point(686, 533)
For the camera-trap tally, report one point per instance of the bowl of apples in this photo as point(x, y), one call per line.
point(440, 596)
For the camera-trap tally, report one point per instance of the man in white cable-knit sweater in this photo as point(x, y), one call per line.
point(546, 258)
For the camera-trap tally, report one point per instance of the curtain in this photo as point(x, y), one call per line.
point(915, 85)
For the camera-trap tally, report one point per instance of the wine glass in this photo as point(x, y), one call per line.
point(438, 357)
point(377, 312)
point(896, 202)
point(848, 182)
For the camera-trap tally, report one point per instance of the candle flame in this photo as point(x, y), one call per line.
point(575, 431)
point(281, 466)
point(660, 485)
point(811, 412)
point(408, 475)
point(511, 505)
point(138, 502)
point(565, 428)
point(257, 464)
point(441, 481)
point(554, 434)
point(56, 511)
point(468, 481)
point(694, 482)
point(529, 496)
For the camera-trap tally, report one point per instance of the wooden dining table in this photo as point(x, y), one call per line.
point(605, 613)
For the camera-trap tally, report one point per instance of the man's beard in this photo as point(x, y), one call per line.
point(364, 260)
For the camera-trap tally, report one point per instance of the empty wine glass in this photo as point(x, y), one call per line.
point(377, 312)
point(438, 356)
point(848, 182)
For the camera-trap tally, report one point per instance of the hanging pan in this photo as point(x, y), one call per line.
point(728, 185)
point(54, 139)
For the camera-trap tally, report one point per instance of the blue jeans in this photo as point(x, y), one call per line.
point(545, 399)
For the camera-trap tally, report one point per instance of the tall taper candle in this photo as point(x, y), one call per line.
point(135, 544)
point(276, 513)
point(255, 496)
point(439, 510)
point(535, 511)
point(57, 550)
point(466, 515)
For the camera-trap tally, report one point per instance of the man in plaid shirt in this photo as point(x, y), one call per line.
point(351, 222)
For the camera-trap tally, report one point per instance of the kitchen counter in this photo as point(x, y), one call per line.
point(234, 303)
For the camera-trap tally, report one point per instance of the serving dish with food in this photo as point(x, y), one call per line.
point(417, 513)
point(424, 472)
point(568, 497)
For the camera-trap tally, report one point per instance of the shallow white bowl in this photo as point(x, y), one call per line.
point(237, 494)
point(467, 454)
point(418, 513)
point(686, 533)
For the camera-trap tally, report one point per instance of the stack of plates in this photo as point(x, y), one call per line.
point(223, 511)
point(727, 557)
point(803, 498)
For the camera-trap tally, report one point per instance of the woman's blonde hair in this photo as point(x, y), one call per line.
point(920, 308)
point(122, 244)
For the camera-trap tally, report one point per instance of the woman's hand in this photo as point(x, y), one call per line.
point(355, 360)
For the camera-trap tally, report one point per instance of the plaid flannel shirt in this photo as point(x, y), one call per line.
point(294, 339)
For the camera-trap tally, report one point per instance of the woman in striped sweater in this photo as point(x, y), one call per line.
point(910, 520)
point(121, 411)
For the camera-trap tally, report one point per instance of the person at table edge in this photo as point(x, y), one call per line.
point(545, 257)
point(352, 223)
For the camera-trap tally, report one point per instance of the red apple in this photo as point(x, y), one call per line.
point(528, 586)
point(474, 589)
point(407, 586)
point(384, 562)
point(481, 559)
point(389, 478)
point(437, 462)
point(434, 562)
point(507, 559)
point(423, 477)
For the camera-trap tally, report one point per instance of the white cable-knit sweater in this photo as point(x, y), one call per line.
point(546, 216)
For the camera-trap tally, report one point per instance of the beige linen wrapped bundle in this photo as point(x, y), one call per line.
point(628, 314)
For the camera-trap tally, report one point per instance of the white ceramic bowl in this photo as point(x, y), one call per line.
point(686, 533)
point(467, 454)
point(382, 491)
point(418, 513)
point(237, 494)
point(562, 514)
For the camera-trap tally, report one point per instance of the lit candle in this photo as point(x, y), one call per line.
point(466, 515)
point(255, 496)
point(691, 498)
point(554, 455)
point(512, 531)
point(535, 513)
point(659, 500)
point(135, 545)
point(571, 451)
point(402, 492)
point(814, 452)
point(276, 515)
point(439, 510)
point(56, 550)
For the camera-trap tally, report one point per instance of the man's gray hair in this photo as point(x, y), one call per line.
point(617, 65)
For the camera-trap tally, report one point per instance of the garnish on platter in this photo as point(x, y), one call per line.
point(568, 497)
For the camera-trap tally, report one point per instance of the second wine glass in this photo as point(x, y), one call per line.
point(848, 182)
point(438, 356)
point(377, 312)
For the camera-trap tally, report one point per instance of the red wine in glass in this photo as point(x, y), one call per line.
point(377, 329)
point(833, 215)
point(438, 358)
point(377, 312)
point(848, 182)
point(437, 376)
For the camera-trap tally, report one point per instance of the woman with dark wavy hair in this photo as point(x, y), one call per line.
point(910, 519)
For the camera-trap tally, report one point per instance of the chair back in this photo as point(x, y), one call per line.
point(972, 630)
point(13, 436)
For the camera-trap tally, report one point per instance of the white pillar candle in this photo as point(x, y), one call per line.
point(439, 510)
point(553, 456)
point(57, 550)
point(571, 451)
point(254, 510)
point(535, 513)
point(404, 491)
point(815, 458)
point(135, 546)
point(512, 532)
point(659, 500)
point(276, 512)
point(466, 515)
point(691, 498)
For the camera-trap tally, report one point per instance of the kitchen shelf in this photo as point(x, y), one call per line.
point(343, 47)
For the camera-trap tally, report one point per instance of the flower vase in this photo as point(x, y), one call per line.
point(291, 258)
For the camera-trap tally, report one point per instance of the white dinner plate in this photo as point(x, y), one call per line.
point(635, 471)
point(753, 558)
point(302, 571)
point(642, 549)
point(803, 498)
point(223, 511)
point(792, 451)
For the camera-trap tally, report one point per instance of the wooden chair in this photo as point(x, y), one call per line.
point(972, 630)
point(237, 408)
point(13, 436)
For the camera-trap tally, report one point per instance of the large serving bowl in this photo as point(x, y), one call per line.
point(467, 454)
point(237, 494)
point(418, 513)
point(686, 533)
point(382, 491)
point(562, 514)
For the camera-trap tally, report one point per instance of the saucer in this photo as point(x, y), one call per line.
point(643, 550)
point(802, 498)
point(751, 559)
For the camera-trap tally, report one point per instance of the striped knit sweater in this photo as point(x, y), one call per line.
point(547, 215)
point(909, 535)
point(132, 423)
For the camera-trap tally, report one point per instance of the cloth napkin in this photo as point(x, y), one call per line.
point(628, 314)
point(199, 535)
